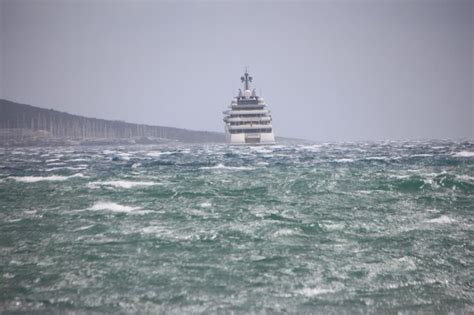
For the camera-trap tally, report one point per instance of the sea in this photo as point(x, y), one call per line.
point(323, 228)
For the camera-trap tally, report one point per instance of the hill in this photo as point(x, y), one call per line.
point(22, 124)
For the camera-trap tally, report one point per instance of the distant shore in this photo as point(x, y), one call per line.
point(25, 125)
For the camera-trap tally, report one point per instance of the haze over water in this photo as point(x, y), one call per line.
point(329, 228)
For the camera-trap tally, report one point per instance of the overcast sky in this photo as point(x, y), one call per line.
point(329, 70)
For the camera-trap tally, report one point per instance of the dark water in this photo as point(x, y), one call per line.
point(330, 228)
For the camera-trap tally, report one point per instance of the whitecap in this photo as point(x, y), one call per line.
point(314, 147)
point(221, 166)
point(364, 192)
point(464, 154)
point(284, 232)
point(206, 205)
point(399, 176)
point(311, 292)
point(79, 160)
point(198, 213)
point(465, 177)
point(78, 175)
point(52, 160)
point(124, 156)
point(261, 149)
point(112, 206)
point(82, 228)
point(333, 226)
point(346, 160)
point(442, 220)
point(34, 179)
point(8, 275)
point(376, 158)
point(120, 184)
point(158, 230)
point(72, 168)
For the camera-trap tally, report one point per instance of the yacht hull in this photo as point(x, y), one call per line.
point(252, 139)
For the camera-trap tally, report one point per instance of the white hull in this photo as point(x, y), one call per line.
point(252, 138)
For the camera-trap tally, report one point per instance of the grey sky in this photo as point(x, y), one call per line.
point(329, 70)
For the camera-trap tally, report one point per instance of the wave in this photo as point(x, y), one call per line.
point(78, 160)
point(284, 232)
point(120, 184)
point(221, 166)
point(411, 184)
point(262, 149)
point(34, 179)
point(72, 168)
point(56, 164)
point(345, 160)
point(465, 177)
point(112, 206)
point(333, 226)
point(444, 219)
point(83, 228)
point(311, 292)
point(377, 158)
point(464, 154)
point(136, 165)
point(313, 148)
point(52, 160)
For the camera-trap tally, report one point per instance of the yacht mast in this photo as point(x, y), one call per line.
point(246, 78)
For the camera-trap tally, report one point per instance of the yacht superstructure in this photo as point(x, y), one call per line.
point(248, 121)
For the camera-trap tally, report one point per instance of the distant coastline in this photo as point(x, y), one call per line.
point(27, 125)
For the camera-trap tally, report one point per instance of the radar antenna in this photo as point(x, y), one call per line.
point(246, 78)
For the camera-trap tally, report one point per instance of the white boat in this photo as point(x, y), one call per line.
point(248, 121)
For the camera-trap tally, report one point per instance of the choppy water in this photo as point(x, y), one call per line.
point(329, 228)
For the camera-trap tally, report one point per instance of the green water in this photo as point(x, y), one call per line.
point(326, 228)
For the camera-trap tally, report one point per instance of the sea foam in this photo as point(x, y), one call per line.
point(464, 154)
point(120, 184)
point(344, 160)
point(112, 206)
point(34, 179)
point(311, 292)
point(442, 220)
point(221, 166)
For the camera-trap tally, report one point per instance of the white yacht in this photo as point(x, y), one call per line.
point(248, 121)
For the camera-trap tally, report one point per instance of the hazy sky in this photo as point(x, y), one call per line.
point(329, 70)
